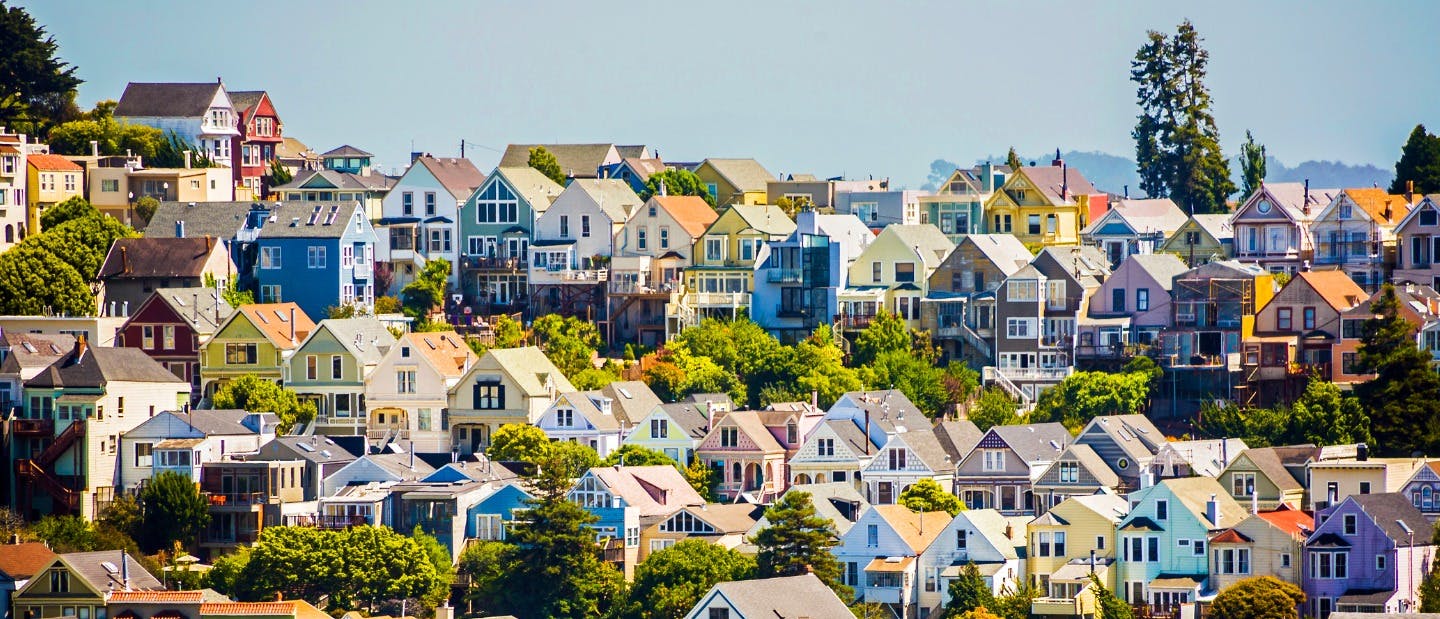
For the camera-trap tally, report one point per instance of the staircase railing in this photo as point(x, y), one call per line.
point(73, 432)
point(31, 471)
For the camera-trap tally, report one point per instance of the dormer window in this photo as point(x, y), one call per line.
point(219, 118)
point(1345, 211)
point(565, 418)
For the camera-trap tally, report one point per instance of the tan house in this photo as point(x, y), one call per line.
point(1264, 544)
point(1062, 544)
point(735, 181)
point(506, 385)
point(1333, 480)
point(893, 273)
point(1269, 477)
point(77, 584)
point(722, 524)
point(52, 179)
point(407, 394)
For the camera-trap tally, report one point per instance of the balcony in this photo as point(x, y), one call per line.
point(792, 312)
point(542, 276)
point(856, 322)
point(234, 499)
point(327, 521)
point(718, 299)
point(1073, 607)
point(32, 427)
point(1350, 253)
point(493, 263)
point(784, 276)
point(363, 271)
point(880, 595)
point(627, 284)
point(1036, 374)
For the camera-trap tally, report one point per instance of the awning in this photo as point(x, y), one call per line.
point(1269, 339)
point(1329, 540)
point(889, 564)
point(390, 221)
point(439, 219)
point(179, 443)
point(1363, 597)
point(549, 243)
point(1142, 523)
point(77, 398)
point(1184, 583)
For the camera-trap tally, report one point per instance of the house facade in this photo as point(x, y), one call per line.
point(735, 181)
point(743, 456)
point(200, 114)
point(1356, 232)
point(171, 325)
point(331, 367)
point(1046, 205)
point(1067, 543)
point(652, 251)
point(720, 278)
point(1366, 554)
point(1201, 239)
point(999, 472)
point(495, 227)
point(1272, 225)
point(960, 307)
point(798, 280)
point(572, 245)
point(893, 274)
point(136, 267)
point(256, 339)
point(1163, 540)
point(408, 393)
point(505, 385)
point(424, 206)
point(260, 134)
point(322, 257)
point(1134, 227)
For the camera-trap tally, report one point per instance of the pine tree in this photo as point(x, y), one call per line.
point(544, 161)
point(1150, 71)
point(968, 592)
point(1419, 162)
point(799, 540)
point(1404, 397)
point(1012, 159)
point(1252, 164)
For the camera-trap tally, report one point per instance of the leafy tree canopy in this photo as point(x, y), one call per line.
point(544, 161)
point(518, 442)
point(173, 511)
point(799, 539)
point(969, 593)
point(37, 89)
point(1419, 163)
point(635, 455)
point(927, 496)
point(995, 408)
point(569, 342)
point(33, 282)
point(1083, 396)
point(673, 580)
point(1264, 597)
point(73, 208)
point(678, 182)
point(255, 394)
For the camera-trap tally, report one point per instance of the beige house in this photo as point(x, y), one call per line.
point(507, 385)
point(893, 273)
point(722, 524)
point(1264, 544)
point(407, 393)
point(735, 181)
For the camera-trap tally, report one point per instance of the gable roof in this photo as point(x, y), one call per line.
point(1002, 532)
point(889, 409)
point(24, 560)
point(157, 257)
point(1133, 433)
point(1207, 457)
point(851, 436)
point(273, 320)
point(446, 351)
point(525, 364)
point(220, 220)
point(402, 465)
point(783, 597)
point(338, 180)
point(163, 100)
point(652, 490)
point(1112, 507)
point(643, 168)
point(536, 188)
point(957, 438)
point(1149, 215)
point(216, 422)
point(1035, 442)
point(691, 416)
point(1272, 462)
point(576, 160)
point(310, 220)
point(51, 163)
point(1335, 287)
point(928, 241)
point(1291, 521)
point(1086, 264)
point(691, 212)
point(749, 423)
point(33, 350)
point(917, 529)
point(927, 447)
point(743, 174)
point(825, 498)
point(346, 150)
point(1004, 250)
point(459, 176)
point(765, 218)
point(367, 339)
point(1291, 198)
point(1092, 462)
point(1162, 267)
point(245, 101)
point(1392, 512)
point(1376, 202)
point(91, 366)
point(200, 308)
point(614, 196)
point(727, 517)
point(1052, 180)
point(317, 449)
point(1217, 225)
point(631, 400)
point(92, 568)
point(1194, 492)
point(583, 403)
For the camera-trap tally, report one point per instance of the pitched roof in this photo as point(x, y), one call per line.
point(459, 176)
point(1086, 264)
point(210, 422)
point(643, 168)
point(401, 465)
point(1335, 287)
point(1270, 461)
point(766, 219)
point(633, 151)
point(33, 350)
point(957, 438)
point(338, 180)
point(852, 436)
point(1004, 250)
point(220, 220)
point(526, 364)
point(1086, 456)
point(292, 148)
point(245, 100)
point(536, 188)
point(199, 307)
point(51, 163)
point(927, 240)
point(691, 212)
point(631, 400)
point(309, 220)
point(889, 409)
point(1292, 521)
point(782, 597)
point(1052, 180)
point(826, 498)
point(727, 517)
point(749, 423)
point(1393, 513)
point(691, 416)
point(577, 160)
point(273, 320)
point(1217, 225)
point(582, 402)
point(98, 366)
point(1004, 533)
point(157, 257)
point(1291, 197)
point(95, 568)
point(1207, 457)
point(23, 560)
point(193, 596)
point(652, 490)
point(927, 447)
point(1195, 492)
point(445, 350)
point(1134, 433)
point(317, 449)
point(1151, 215)
point(1376, 202)
point(612, 195)
point(1162, 267)
point(1112, 507)
point(743, 174)
point(1035, 442)
point(346, 151)
point(365, 337)
point(916, 529)
point(167, 99)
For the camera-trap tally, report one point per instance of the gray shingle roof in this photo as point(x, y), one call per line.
point(1389, 510)
point(1004, 250)
point(958, 437)
point(459, 176)
point(338, 180)
point(220, 220)
point(631, 400)
point(577, 160)
point(785, 597)
point(346, 151)
point(365, 337)
point(309, 220)
point(613, 196)
point(852, 435)
point(317, 449)
point(1036, 442)
point(96, 367)
point(166, 100)
point(744, 174)
point(91, 567)
point(1163, 267)
point(691, 416)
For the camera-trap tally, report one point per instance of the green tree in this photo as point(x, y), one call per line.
point(231, 293)
point(1419, 163)
point(635, 455)
point(1430, 585)
point(73, 208)
point(678, 182)
point(917, 378)
point(427, 292)
point(486, 565)
point(1252, 165)
point(544, 161)
point(518, 442)
point(1107, 605)
point(1083, 396)
point(886, 333)
point(83, 242)
point(590, 379)
point(1017, 604)
point(927, 496)
point(66, 534)
point(702, 479)
point(123, 515)
point(1012, 159)
point(573, 457)
point(145, 208)
point(1322, 415)
point(509, 333)
point(111, 137)
point(255, 394)
point(33, 282)
point(439, 557)
point(1177, 146)
point(278, 174)
point(673, 580)
point(799, 540)
point(969, 592)
point(1263, 597)
point(569, 342)
point(173, 511)
point(817, 365)
point(37, 89)
point(1404, 397)
point(358, 565)
point(994, 408)
point(227, 573)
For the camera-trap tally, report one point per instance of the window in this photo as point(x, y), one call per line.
point(904, 272)
point(1330, 565)
point(1019, 328)
point(1282, 319)
point(312, 369)
point(872, 535)
point(897, 459)
point(1055, 294)
point(407, 203)
point(664, 237)
point(1162, 510)
point(1379, 563)
point(497, 205)
point(825, 447)
point(564, 226)
point(1198, 548)
point(429, 203)
point(489, 395)
point(1022, 290)
point(1069, 472)
point(1242, 484)
point(585, 226)
point(729, 436)
point(659, 428)
point(714, 248)
point(1117, 300)
point(337, 367)
point(269, 257)
point(1032, 224)
point(1364, 487)
point(110, 185)
point(405, 381)
point(1428, 217)
point(1308, 318)
point(241, 354)
point(169, 337)
point(59, 581)
point(315, 256)
point(1042, 544)
point(1285, 559)
point(719, 613)
point(144, 454)
point(1142, 299)
point(1232, 561)
point(173, 457)
point(147, 337)
point(270, 293)
point(640, 240)
point(994, 459)
point(1100, 542)
point(1350, 524)
point(876, 270)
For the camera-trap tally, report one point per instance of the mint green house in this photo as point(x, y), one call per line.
point(330, 369)
point(495, 230)
point(672, 429)
point(1164, 559)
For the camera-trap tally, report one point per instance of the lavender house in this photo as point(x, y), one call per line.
point(1367, 554)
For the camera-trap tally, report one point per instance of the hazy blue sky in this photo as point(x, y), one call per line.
point(833, 87)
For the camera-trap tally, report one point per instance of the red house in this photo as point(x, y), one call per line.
point(260, 136)
point(171, 325)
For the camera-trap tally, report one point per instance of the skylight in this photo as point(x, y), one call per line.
point(281, 316)
point(625, 392)
point(305, 447)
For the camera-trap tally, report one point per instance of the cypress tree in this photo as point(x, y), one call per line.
point(1419, 162)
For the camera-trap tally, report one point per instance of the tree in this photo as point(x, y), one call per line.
point(569, 342)
point(518, 442)
point(1264, 597)
point(278, 174)
point(509, 333)
point(1322, 415)
point(66, 534)
point(1419, 163)
point(635, 455)
point(33, 282)
point(544, 161)
point(672, 580)
point(574, 458)
point(702, 479)
point(799, 540)
point(82, 242)
point(173, 511)
point(678, 182)
point(1107, 605)
point(111, 137)
point(232, 294)
point(37, 89)
point(485, 564)
point(1430, 585)
point(423, 295)
point(361, 564)
point(886, 333)
point(817, 365)
point(1012, 159)
point(1252, 165)
point(439, 557)
point(917, 378)
point(227, 572)
point(590, 379)
point(73, 208)
point(1017, 604)
point(927, 496)
point(145, 208)
point(969, 592)
point(252, 393)
point(1404, 397)
point(1177, 146)
point(1083, 396)
point(994, 408)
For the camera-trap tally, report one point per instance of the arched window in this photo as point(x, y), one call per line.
point(9, 233)
point(735, 474)
point(1427, 498)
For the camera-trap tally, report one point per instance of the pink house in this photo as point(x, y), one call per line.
point(744, 457)
point(1131, 307)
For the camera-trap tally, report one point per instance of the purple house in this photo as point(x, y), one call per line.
point(1367, 554)
point(1131, 307)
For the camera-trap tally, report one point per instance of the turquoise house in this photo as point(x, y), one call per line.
point(495, 226)
point(1164, 560)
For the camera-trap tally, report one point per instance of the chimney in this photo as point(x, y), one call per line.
point(1254, 502)
point(1409, 191)
point(1331, 496)
point(124, 260)
point(1225, 451)
point(292, 325)
point(124, 571)
point(867, 432)
point(1212, 511)
point(1147, 478)
point(80, 347)
point(814, 400)
point(94, 148)
point(195, 304)
point(188, 154)
point(1064, 179)
point(1058, 162)
point(179, 229)
point(208, 244)
point(1305, 206)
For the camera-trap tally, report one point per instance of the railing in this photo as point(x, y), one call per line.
point(585, 275)
point(327, 521)
point(494, 262)
point(1036, 374)
point(958, 329)
point(364, 271)
point(635, 286)
point(880, 595)
point(31, 471)
point(73, 432)
point(31, 427)
point(234, 499)
point(378, 434)
point(719, 299)
point(856, 322)
point(792, 312)
point(992, 375)
point(783, 276)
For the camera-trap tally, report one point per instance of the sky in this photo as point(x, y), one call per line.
point(832, 88)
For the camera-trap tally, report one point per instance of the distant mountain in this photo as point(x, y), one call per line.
point(1113, 173)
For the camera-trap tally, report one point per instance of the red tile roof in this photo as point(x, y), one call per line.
point(21, 561)
point(1292, 521)
point(248, 608)
point(52, 162)
point(1230, 536)
point(157, 597)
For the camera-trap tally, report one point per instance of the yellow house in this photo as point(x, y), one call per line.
point(1264, 544)
point(1201, 239)
point(1046, 205)
point(1066, 544)
point(256, 339)
point(77, 584)
point(721, 278)
point(735, 181)
point(52, 179)
point(893, 273)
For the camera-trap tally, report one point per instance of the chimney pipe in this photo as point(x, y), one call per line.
point(1409, 191)
point(292, 325)
point(179, 228)
point(1305, 207)
point(187, 159)
point(124, 570)
point(94, 148)
point(124, 260)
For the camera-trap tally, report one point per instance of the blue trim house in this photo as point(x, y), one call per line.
point(1165, 561)
point(316, 255)
point(621, 495)
point(495, 225)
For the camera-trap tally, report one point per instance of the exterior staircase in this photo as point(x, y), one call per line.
point(993, 376)
point(38, 472)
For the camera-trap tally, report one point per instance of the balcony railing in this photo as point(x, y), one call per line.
point(327, 521)
point(234, 499)
point(32, 427)
point(1036, 374)
point(497, 263)
point(719, 299)
point(635, 286)
point(856, 322)
point(783, 276)
point(880, 595)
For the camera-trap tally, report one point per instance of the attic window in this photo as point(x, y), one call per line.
point(404, 351)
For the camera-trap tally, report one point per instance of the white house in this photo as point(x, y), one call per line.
point(200, 114)
point(585, 417)
point(993, 542)
point(580, 226)
point(183, 441)
point(422, 213)
point(880, 555)
point(408, 393)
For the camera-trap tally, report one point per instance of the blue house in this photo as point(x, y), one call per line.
point(495, 226)
point(1368, 554)
point(621, 495)
point(316, 255)
point(797, 280)
point(1164, 559)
